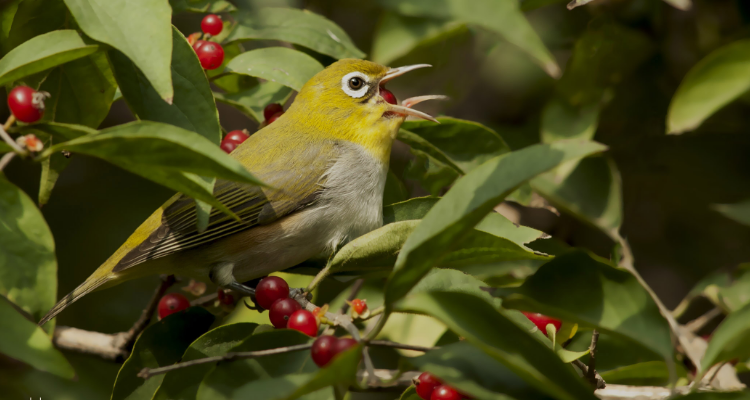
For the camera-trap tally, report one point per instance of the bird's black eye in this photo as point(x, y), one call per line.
point(356, 83)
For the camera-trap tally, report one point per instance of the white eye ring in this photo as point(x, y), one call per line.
point(355, 93)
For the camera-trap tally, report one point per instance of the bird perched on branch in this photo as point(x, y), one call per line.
point(324, 162)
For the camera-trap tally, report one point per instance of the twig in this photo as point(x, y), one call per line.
point(698, 323)
point(6, 160)
point(149, 372)
point(591, 374)
point(106, 346)
point(132, 334)
point(352, 295)
point(9, 122)
point(402, 346)
point(599, 381)
point(12, 143)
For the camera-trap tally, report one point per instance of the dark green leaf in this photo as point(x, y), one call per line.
point(61, 132)
point(184, 383)
point(473, 372)
point(139, 28)
point(650, 373)
point(416, 142)
point(479, 323)
point(455, 214)
point(397, 35)
point(33, 18)
point(43, 52)
point(407, 210)
point(277, 64)
point(161, 344)
point(201, 6)
point(714, 82)
point(252, 101)
point(81, 91)
point(501, 17)
point(28, 268)
point(193, 106)
point(410, 394)
point(575, 287)
point(739, 212)
point(395, 191)
point(731, 340)
point(449, 280)
point(300, 27)
point(562, 121)
point(51, 169)
point(25, 341)
point(431, 173)
point(374, 250)
point(5, 148)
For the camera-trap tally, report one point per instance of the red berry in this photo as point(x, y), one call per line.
point(303, 321)
point(281, 310)
point(172, 303)
point(275, 117)
point(232, 140)
point(270, 289)
point(26, 104)
point(225, 298)
point(212, 24)
point(210, 54)
point(426, 382)
point(343, 344)
point(322, 350)
point(359, 306)
point(271, 110)
point(445, 392)
point(388, 96)
point(541, 321)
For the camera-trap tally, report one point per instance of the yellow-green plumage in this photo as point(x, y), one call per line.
point(324, 161)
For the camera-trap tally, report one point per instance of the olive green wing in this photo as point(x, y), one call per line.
point(295, 181)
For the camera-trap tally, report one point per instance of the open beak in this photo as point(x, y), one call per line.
point(405, 107)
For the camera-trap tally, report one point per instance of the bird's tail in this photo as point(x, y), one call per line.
point(93, 282)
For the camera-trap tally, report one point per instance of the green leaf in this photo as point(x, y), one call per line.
point(730, 340)
point(374, 250)
point(592, 192)
point(502, 17)
point(562, 121)
point(456, 213)
point(5, 148)
point(395, 191)
point(577, 288)
point(201, 6)
point(81, 91)
point(25, 341)
point(33, 18)
point(43, 52)
point(396, 35)
point(449, 280)
point(478, 323)
point(193, 107)
point(60, 132)
point(51, 169)
point(714, 82)
point(739, 212)
point(141, 29)
point(226, 378)
point(300, 27)
point(431, 173)
point(650, 373)
point(410, 394)
point(475, 373)
point(277, 64)
point(28, 268)
point(466, 144)
point(184, 383)
point(411, 209)
point(252, 101)
point(161, 344)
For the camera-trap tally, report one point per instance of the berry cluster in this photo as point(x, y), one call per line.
point(233, 139)
point(210, 54)
point(326, 347)
point(429, 387)
point(272, 293)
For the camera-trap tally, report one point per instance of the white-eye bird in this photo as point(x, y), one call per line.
point(325, 162)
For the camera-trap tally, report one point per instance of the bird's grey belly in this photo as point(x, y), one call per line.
point(350, 205)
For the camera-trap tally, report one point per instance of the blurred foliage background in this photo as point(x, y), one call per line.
point(640, 50)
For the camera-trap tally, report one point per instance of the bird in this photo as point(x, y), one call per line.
point(324, 164)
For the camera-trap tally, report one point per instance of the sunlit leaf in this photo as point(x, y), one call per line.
point(282, 65)
point(397, 35)
point(731, 340)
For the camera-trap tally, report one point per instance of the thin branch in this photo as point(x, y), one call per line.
point(352, 295)
point(12, 143)
point(149, 372)
point(6, 160)
point(9, 122)
point(106, 346)
point(402, 346)
point(132, 334)
point(591, 374)
point(698, 323)
point(599, 381)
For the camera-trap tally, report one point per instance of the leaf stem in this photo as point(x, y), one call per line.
point(6, 160)
point(12, 143)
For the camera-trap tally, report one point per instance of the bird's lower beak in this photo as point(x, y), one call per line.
point(405, 107)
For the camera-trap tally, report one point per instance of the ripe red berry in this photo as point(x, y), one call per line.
point(275, 117)
point(281, 310)
point(212, 24)
point(270, 289)
point(303, 321)
point(359, 306)
point(388, 96)
point(210, 54)
point(271, 110)
point(541, 321)
point(26, 104)
point(343, 344)
point(445, 392)
point(172, 303)
point(425, 384)
point(323, 350)
point(232, 140)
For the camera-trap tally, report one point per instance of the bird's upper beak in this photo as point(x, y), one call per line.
point(405, 107)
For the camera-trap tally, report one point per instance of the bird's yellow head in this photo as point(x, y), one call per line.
point(344, 102)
